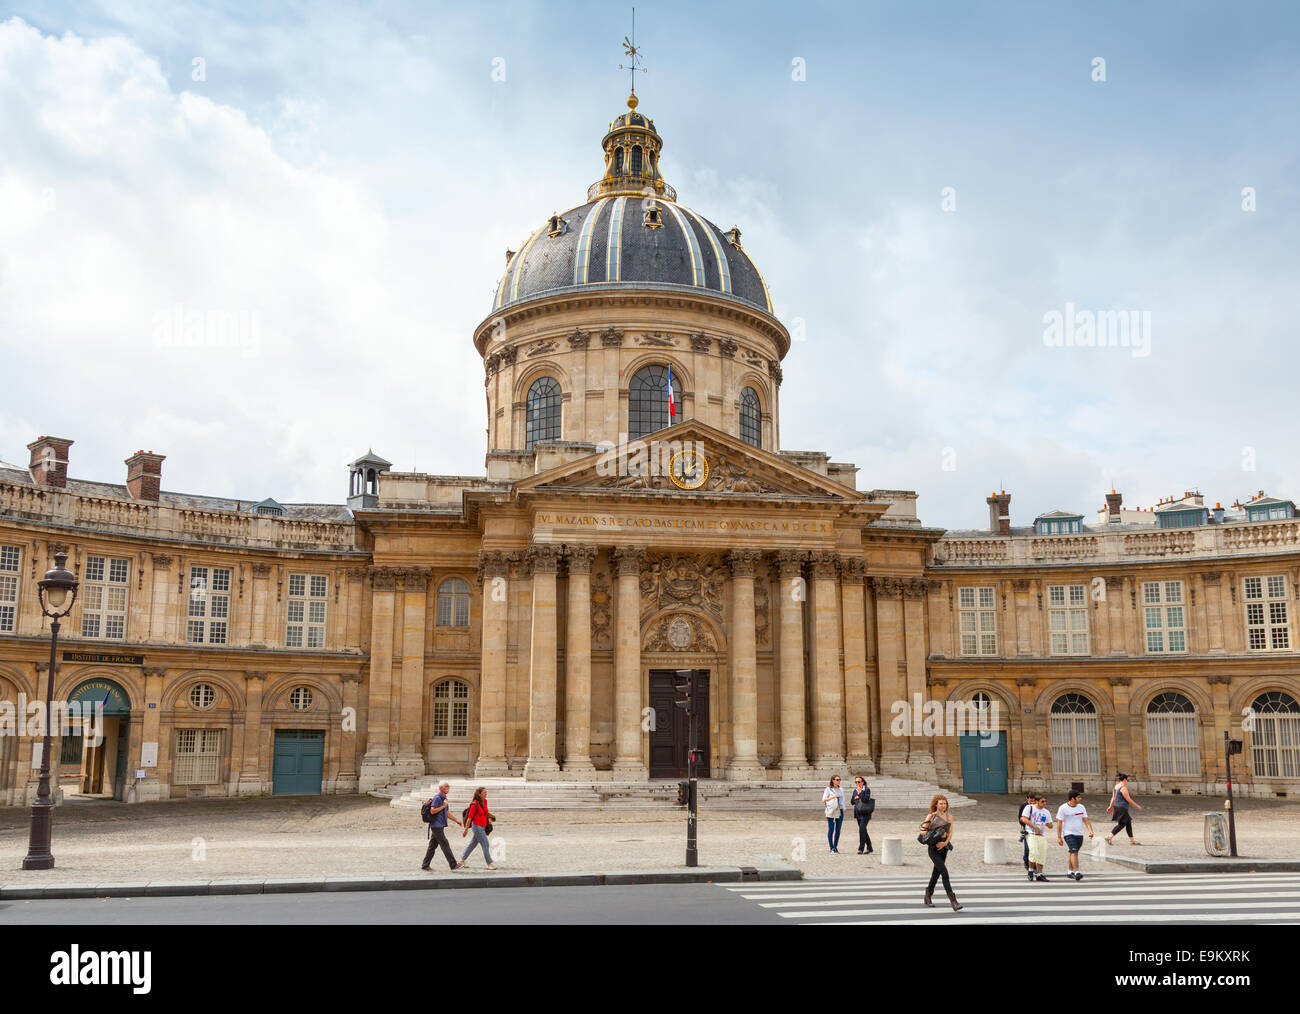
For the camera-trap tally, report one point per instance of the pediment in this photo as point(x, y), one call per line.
point(733, 467)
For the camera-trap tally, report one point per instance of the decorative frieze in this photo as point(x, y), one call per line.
point(683, 579)
point(679, 633)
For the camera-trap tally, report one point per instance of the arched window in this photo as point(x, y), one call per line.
point(543, 412)
point(1172, 736)
point(647, 401)
point(1275, 735)
point(751, 430)
point(453, 603)
point(618, 161)
point(636, 160)
point(1074, 737)
point(451, 710)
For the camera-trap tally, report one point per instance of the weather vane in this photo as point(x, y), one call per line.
point(633, 54)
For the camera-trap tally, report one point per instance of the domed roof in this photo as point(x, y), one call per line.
point(632, 233)
point(632, 241)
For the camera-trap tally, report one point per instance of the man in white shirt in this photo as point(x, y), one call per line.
point(1072, 818)
point(1037, 818)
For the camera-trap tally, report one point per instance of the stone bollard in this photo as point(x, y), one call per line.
point(995, 851)
point(892, 852)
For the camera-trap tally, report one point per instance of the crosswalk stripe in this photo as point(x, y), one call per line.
point(987, 895)
point(1060, 902)
point(1064, 917)
point(956, 917)
point(888, 880)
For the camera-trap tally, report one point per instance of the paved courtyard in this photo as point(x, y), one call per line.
point(348, 836)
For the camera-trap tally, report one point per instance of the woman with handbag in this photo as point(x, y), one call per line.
point(936, 835)
point(1120, 801)
point(833, 801)
point(863, 806)
point(478, 818)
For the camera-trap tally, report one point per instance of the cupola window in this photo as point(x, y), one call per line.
point(750, 418)
point(636, 160)
point(653, 217)
point(543, 412)
point(556, 226)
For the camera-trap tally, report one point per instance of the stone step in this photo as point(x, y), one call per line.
point(517, 794)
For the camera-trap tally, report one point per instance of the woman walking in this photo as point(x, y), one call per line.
point(863, 805)
point(940, 819)
point(476, 819)
point(833, 801)
point(1120, 801)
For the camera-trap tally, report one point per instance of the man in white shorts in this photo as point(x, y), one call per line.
point(1037, 819)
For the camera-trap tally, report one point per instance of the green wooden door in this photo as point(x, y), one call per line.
point(299, 762)
point(984, 763)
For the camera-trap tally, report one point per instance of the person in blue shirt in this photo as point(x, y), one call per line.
point(439, 811)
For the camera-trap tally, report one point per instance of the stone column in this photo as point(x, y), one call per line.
point(577, 666)
point(857, 705)
point(150, 788)
point(250, 774)
point(158, 610)
point(628, 762)
point(1031, 765)
point(493, 575)
point(409, 698)
point(793, 592)
point(1221, 720)
point(1120, 696)
point(891, 671)
point(744, 670)
point(347, 777)
point(542, 683)
point(377, 765)
point(1115, 615)
point(920, 758)
point(1214, 612)
point(828, 681)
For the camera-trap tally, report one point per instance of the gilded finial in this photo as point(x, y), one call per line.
point(632, 101)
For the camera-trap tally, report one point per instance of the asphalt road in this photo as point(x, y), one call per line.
point(663, 905)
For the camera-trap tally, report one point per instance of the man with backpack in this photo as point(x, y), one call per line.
point(435, 813)
point(1021, 813)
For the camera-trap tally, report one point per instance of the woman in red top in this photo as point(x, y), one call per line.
point(477, 821)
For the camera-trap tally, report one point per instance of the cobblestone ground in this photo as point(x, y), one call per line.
point(342, 836)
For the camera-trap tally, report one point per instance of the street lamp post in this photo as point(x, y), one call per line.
point(58, 593)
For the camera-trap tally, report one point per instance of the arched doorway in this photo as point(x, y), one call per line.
point(99, 754)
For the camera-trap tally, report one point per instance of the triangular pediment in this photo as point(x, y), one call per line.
point(733, 468)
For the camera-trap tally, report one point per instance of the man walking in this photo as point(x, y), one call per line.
point(1021, 823)
point(439, 810)
point(1072, 818)
point(1037, 819)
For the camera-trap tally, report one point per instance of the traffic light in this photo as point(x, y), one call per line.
point(683, 792)
point(1234, 746)
point(686, 690)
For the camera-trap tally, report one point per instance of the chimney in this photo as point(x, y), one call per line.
point(999, 513)
point(144, 475)
point(49, 464)
point(1113, 502)
point(1218, 513)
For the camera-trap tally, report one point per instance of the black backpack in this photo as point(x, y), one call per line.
point(464, 816)
point(425, 815)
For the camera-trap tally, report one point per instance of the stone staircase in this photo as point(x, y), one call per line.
point(518, 794)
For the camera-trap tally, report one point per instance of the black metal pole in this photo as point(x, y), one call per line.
point(1232, 816)
point(39, 856)
point(692, 852)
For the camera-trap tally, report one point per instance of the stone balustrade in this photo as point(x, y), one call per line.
point(148, 520)
point(1207, 541)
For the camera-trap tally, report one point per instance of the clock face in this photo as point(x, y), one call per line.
point(688, 469)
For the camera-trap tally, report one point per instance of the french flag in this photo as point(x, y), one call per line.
point(672, 404)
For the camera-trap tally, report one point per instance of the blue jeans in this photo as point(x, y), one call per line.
point(833, 830)
point(480, 839)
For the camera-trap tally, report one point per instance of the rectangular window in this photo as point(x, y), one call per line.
point(209, 611)
point(1164, 617)
point(1067, 618)
point(103, 598)
point(198, 757)
point(1267, 627)
point(977, 612)
point(305, 625)
point(9, 556)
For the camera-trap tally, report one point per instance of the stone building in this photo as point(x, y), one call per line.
point(637, 516)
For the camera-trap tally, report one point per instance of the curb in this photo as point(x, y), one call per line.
point(395, 882)
point(1207, 865)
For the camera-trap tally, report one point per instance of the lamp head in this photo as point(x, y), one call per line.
point(58, 584)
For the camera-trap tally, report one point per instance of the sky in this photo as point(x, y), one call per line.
point(926, 187)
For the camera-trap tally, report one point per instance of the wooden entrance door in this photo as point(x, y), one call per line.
point(670, 737)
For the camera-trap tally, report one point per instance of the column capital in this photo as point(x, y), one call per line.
point(252, 674)
point(261, 569)
point(350, 677)
point(628, 560)
point(383, 578)
point(154, 670)
point(1119, 681)
point(580, 558)
point(544, 557)
point(1211, 576)
point(824, 563)
point(42, 666)
point(789, 562)
point(1026, 681)
point(1219, 678)
point(161, 561)
point(414, 578)
point(743, 562)
point(493, 563)
point(853, 568)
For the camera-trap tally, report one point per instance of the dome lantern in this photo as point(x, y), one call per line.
point(632, 147)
